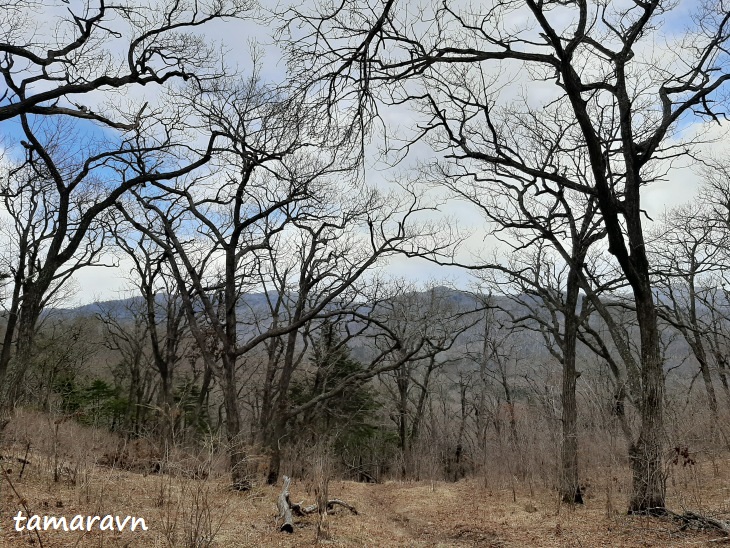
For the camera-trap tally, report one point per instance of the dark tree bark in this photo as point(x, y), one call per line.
point(570, 491)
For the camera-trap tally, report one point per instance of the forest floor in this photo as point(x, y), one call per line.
point(177, 511)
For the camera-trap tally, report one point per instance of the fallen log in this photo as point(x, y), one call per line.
point(287, 508)
point(698, 521)
point(332, 502)
point(300, 510)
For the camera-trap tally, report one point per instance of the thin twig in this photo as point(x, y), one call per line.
point(22, 503)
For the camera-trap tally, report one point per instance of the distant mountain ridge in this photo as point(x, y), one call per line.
point(531, 343)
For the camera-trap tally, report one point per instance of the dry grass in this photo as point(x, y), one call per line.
point(391, 514)
point(182, 511)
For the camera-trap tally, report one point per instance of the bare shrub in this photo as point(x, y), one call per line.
point(60, 449)
point(322, 470)
point(188, 518)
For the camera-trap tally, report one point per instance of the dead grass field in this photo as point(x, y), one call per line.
point(498, 511)
point(466, 513)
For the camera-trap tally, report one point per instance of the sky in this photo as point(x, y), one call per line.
point(236, 39)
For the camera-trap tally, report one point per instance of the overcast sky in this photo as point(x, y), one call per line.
point(236, 37)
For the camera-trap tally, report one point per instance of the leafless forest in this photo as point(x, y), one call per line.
point(261, 175)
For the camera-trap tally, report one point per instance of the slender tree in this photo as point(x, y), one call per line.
point(686, 262)
point(413, 315)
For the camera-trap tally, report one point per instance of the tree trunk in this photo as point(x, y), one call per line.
point(722, 368)
point(693, 334)
point(30, 310)
point(12, 323)
point(699, 350)
point(267, 396)
point(10, 327)
point(280, 418)
point(569, 485)
point(274, 450)
point(236, 450)
point(646, 454)
point(202, 403)
point(402, 382)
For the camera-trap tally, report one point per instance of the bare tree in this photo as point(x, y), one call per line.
point(73, 184)
point(413, 316)
point(61, 76)
point(616, 101)
point(684, 249)
point(273, 190)
point(30, 200)
point(126, 333)
point(164, 318)
point(716, 195)
point(550, 233)
point(495, 348)
point(543, 296)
